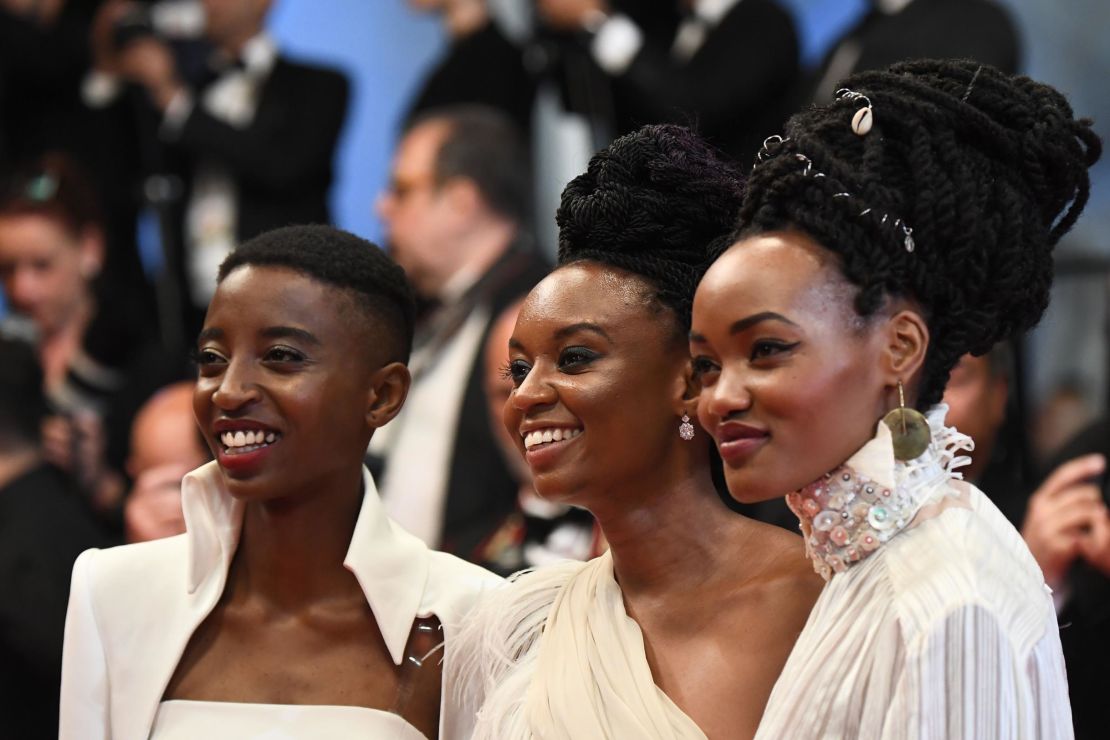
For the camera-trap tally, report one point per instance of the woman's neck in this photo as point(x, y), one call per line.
point(291, 551)
point(58, 348)
point(672, 535)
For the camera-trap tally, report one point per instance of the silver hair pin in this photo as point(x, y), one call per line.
point(765, 150)
point(974, 77)
point(907, 233)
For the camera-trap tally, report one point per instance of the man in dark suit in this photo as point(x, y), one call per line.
point(897, 30)
point(251, 133)
point(726, 67)
point(478, 51)
point(457, 218)
point(44, 526)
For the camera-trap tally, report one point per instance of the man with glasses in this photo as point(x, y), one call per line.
point(457, 217)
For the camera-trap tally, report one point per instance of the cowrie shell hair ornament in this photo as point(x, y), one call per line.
point(864, 117)
point(861, 122)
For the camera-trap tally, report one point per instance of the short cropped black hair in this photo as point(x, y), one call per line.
point(656, 202)
point(343, 260)
point(989, 170)
point(22, 401)
point(483, 145)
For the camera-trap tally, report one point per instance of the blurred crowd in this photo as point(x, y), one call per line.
point(141, 141)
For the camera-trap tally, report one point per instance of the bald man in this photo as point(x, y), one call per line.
point(165, 446)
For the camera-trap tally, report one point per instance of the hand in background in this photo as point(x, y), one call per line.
point(77, 445)
point(571, 15)
point(1094, 546)
point(42, 12)
point(153, 509)
point(150, 63)
point(104, 52)
point(1063, 514)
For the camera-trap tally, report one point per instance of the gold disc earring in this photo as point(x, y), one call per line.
point(909, 429)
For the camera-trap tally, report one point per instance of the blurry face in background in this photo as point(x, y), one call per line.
point(165, 432)
point(499, 385)
point(419, 218)
point(976, 399)
point(46, 270)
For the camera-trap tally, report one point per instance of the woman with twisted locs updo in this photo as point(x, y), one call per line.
point(883, 236)
point(693, 605)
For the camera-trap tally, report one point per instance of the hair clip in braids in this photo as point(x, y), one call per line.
point(765, 150)
point(907, 234)
point(772, 143)
point(41, 187)
point(970, 85)
point(864, 117)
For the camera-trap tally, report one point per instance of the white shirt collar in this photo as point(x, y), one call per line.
point(890, 7)
point(391, 565)
point(457, 285)
point(712, 11)
point(259, 55)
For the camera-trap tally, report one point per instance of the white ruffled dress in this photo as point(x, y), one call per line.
point(935, 623)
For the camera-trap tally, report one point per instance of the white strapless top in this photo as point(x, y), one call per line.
point(188, 720)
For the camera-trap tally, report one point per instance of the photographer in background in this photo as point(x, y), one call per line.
point(43, 56)
point(727, 67)
point(249, 133)
point(478, 52)
point(98, 356)
point(43, 528)
point(1065, 521)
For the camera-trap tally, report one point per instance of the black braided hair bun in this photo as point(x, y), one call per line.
point(989, 170)
point(654, 203)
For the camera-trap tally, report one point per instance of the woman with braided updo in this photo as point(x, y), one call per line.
point(681, 629)
point(882, 237)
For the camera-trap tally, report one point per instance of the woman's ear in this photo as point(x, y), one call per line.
point(388, 389)
point(907, 341)
point(91, 244)
point(684, 395)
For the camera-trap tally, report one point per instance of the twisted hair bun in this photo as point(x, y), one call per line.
point(655, 203)
point(988, 169)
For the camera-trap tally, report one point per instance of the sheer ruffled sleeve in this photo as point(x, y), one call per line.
point(966, 678)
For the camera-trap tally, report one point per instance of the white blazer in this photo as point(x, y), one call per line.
point(132, 609)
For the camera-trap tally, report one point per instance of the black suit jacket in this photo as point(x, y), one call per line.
point(937, 29)
point(484, 68)
point(43, 528)
point(1085, 619)
point(735, 89)
point(481, 491)
point(281, 162)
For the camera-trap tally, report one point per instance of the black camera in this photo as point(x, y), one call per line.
point(135, 24)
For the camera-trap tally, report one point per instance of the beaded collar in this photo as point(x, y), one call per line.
point(852, 511)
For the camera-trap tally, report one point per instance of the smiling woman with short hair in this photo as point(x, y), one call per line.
point(292, 601)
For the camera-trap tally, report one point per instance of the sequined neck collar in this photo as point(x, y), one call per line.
point(850, 512)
